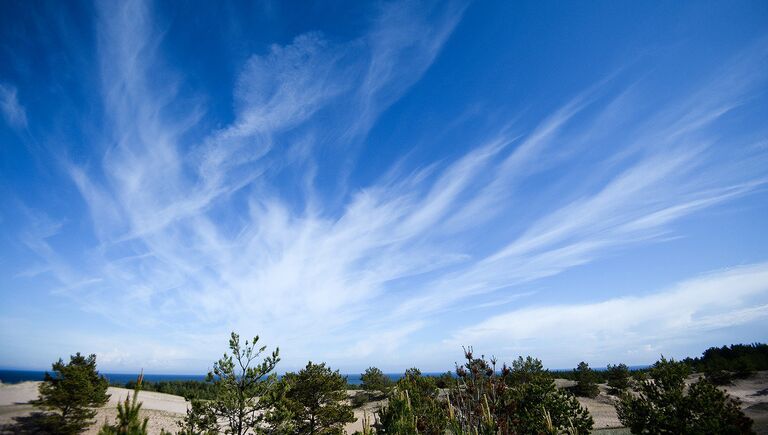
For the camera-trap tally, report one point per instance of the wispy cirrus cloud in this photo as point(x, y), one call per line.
point(650, 321)
point(197, 234)
point(13, 112)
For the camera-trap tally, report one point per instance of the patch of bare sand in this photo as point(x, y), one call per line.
point(163, 410)
point(753, 393)
point(368, 410)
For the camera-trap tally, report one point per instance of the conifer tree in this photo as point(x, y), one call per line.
point(663, 406)
point(375, 382)
point(618, 377)
point(72, 392)
point(242, 385)
point(315, 398)
point(585, 381)
point(128, 420)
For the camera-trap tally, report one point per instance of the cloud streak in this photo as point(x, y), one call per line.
point(13, 112)
point(198, 234)
point(686, 310)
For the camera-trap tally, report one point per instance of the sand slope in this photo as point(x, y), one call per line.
point(164, 410)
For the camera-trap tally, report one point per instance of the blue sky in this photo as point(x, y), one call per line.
point(381, 183)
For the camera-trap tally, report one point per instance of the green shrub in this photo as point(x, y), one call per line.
point(618, 378)
point(721, 365)
point(413, 407)
point(188, 389)
point(522, 399)
point(199, 420)
point(242, 385)
point(585, 381)
point(375, 383)
point(314, 398)
point(128, 420)
point(71, 392)
point(662, 406)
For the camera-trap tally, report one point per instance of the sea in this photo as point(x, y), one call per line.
point(16, 376)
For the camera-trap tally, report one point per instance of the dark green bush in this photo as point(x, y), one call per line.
point(72, 392)
point(721, 365)
point(413, 407)
point(618, 378)
point(586, 379)
point(375, 383)
point(314, 398)
point(128, 420)
point(521, 399)
point(662, 405)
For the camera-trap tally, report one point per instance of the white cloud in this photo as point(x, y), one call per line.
point(722, 299)
point(197, 237)
point(13, 112)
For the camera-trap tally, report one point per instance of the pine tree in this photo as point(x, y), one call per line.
point(242, 385)
point(375, 383)
point(662, 405)
point(618, 377)
point(128, 420)
point(199, 420)
point(585, 381)
point(72, 392)
point(315, 397)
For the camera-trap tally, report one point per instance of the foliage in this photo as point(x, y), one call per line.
point(618, 378)
point(375, 383)
point(199, 420)
point(187, 389)
point(585, 381)
point(537, 397)
point(445, 380)
point(240, 383)
point(315, 398)
point(723, 364)
point(521, 399)
point(72, 391)
point(663, 407)
point(128, 420)
point(413, 407)
point(481, 402)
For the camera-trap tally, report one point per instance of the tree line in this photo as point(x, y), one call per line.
point(243, 394)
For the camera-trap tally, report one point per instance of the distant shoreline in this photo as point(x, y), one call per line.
point(18, 376)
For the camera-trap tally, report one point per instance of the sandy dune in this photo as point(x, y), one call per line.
point(164, 410)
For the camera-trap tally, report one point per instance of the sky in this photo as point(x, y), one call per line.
point(381, 183)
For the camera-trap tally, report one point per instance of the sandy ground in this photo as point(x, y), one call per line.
point(164, 410)
point(753, 393)
point(368, 411)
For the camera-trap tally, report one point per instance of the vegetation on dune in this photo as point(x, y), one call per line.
point(618, 378)
point(72, 391)
point(242, 394)
point(663, 405)
point(315, 400)
point(198, 420)
point(413, 407)
point(586, 381)
point(243, 385)
point(187, 389)
point(521, 399)
point(128, 420)
point(721, 365)
point(375, 383)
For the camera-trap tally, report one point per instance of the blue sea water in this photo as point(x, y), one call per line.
point(16, 376)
